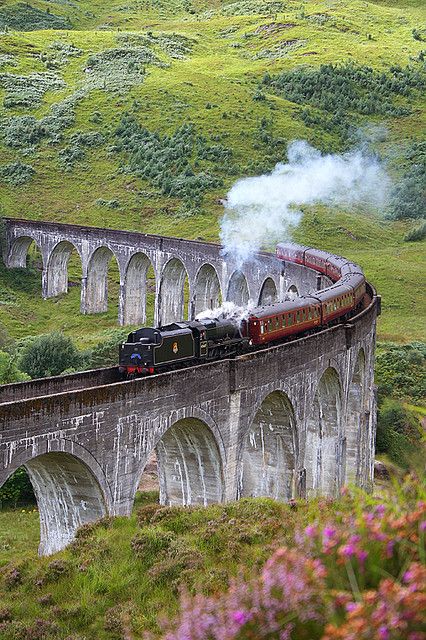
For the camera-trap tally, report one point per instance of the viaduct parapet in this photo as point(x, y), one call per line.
point(293, 420)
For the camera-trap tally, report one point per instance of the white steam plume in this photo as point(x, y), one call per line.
point(228, 310)
point(263, 209)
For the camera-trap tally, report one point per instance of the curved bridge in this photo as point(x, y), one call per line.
point(293, 420)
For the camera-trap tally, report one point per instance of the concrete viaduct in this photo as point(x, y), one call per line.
point(293, 420)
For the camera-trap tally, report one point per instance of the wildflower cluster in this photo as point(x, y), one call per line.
point(359, 575)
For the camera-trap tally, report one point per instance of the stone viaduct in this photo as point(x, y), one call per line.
point(289, 421)
point(210, 278)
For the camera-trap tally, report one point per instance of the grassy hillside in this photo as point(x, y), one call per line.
point(66, 152)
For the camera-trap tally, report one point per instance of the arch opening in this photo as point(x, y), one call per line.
point(139, 290)
point(64, 262)
point(268, 293)
point(103, 282)
point(355, 427)
point(238, 291)
point(270, 451)
point(24, 253)
point(174, 293)
point(208, 294)
point(292, 292)
point(189, 465)
point(325, 449)
point(68, 496)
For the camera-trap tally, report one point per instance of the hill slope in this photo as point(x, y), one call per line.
point(188, 78)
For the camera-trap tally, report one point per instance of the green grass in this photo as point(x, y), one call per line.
point(222, 69)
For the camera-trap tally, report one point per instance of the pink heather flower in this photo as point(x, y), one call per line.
point(329, 532)
point(408, 576)
point(384, 633)
point(362, 556)
point(389, 548)
point(380, 509)
point(347, 550)
point(351, 606)
point(310, 531)
point(240, 617)
point(423, 526)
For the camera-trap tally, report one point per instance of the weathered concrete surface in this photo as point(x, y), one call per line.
point(176, 263)
point(292, 420)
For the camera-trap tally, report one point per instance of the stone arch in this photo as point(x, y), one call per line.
point(190, 464)
point(268, 292)
point(269, 453)
point(96, 296)
point(208, 293)
point(172, 292)
point(292, 292)
point(135, 287)
point(70, 489)
point(325, 451)
point(18, 251)
point(238, 291)
point(57, 268)
point(357, 440)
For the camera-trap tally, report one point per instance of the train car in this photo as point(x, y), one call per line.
point(357, 282)
point(317, 260)
point(336, 301)
point(280, 320)
point(348, 268)
point(291, 252)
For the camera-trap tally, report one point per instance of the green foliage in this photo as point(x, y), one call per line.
point(409, 196)
point(49, 355)
point(105, 353)
point(17, 490)
point(401, 370)
point(167, 161)
point(9, 371)
point(16, 173)
point(417, 234)
point(398, 433)
point(23, 17)
point(76, 150)
point(28, 91)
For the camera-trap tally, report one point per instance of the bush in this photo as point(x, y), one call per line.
point(24, 17)
point(16, 173)
point(49, 355)
point(28, 91)
point(401, 370)
point(417, 234)
point(409, 195)
point(9, 371)
point(398, 432)
point(17, 489)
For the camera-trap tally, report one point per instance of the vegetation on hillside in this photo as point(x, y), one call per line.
point(323, 569)
point(140, 115)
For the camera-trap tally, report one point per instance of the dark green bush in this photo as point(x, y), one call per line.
point(9, 371)
point(409, 195)
point(17, 490)
point(49, 355)
point(105, 353)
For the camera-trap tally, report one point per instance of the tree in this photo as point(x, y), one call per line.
point(9, 372)
point(49, 355)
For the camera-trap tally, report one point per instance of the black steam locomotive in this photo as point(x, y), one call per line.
point(149, 350)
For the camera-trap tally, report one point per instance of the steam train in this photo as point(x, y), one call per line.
point(148, 350)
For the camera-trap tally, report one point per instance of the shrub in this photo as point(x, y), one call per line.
point(28, 91)
point(401, 370)
point(105, 353)
point(409, 195)
point(17, 489)
point(16, 173)
point(49, 355)
point(23, 17)
point(417, 234)
point(398, 432)
point(9, 371)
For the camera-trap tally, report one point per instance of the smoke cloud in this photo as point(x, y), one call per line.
point(264, 209)
point(228, 310)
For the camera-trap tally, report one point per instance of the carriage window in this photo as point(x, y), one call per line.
point(262, 328)
point(283, 321)
point(289, 320)
point(298, 316)
point(277, 322)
